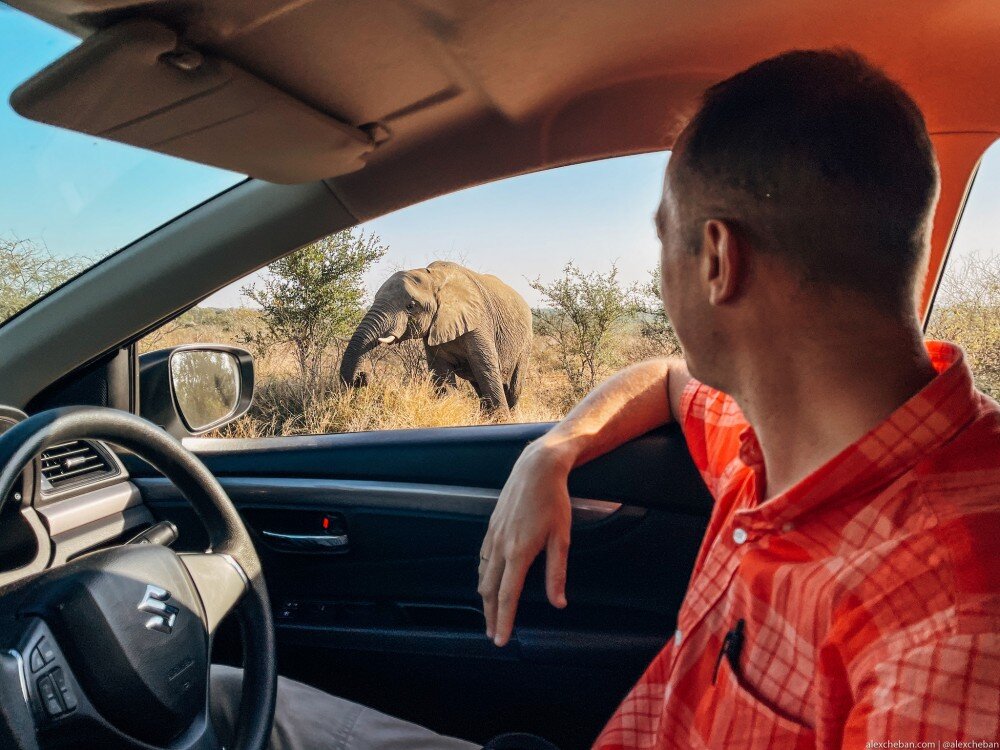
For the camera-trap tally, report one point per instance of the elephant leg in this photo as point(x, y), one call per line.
point(512, 390)
point(485, 365)
point(443, 378)
point(480, 393)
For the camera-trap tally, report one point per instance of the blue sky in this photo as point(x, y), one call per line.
point(83, 196)
point(75, 194)
point(594, 214)
point(979, 230)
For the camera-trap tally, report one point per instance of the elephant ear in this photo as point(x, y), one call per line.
point(459, 303)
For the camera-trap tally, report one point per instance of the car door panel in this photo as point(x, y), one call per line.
point(413, 506)
point(652, 471)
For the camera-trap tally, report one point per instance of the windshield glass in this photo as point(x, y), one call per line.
point(66, 199)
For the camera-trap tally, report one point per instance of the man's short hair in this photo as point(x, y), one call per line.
point(820, 157)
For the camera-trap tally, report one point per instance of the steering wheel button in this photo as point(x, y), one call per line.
point(36, 659)
point(48, 693)
point(68, 699)
point(46, 650)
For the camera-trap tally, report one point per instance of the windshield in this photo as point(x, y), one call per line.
point(66, 199)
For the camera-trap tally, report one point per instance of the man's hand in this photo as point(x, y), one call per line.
point(532, 514)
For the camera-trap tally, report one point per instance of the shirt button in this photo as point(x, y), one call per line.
point(739, 535)
point(678, 636)
point(787, 526)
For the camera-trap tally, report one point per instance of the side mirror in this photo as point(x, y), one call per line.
point(191, 389)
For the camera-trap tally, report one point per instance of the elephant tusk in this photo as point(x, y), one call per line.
point(386, 339)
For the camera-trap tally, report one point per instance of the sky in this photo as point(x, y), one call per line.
point(77, 195)
point(81, 196)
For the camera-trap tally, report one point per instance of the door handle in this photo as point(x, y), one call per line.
point(307, 542)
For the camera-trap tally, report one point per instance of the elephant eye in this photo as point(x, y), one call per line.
point(411, 305)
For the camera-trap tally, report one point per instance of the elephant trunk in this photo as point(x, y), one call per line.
point(371, 332)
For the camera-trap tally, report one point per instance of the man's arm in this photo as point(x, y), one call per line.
point(533, 512)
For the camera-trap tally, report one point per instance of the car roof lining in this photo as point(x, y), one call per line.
point(564, 81)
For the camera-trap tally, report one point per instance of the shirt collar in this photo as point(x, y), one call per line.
point(929, 419)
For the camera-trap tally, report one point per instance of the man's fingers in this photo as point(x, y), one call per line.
point(484, 555)
point(508, 595)
point(556, 554)
point(489, 600)
point(486, 547)
point(489, 586)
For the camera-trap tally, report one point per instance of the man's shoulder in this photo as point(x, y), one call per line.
point(712, 424)
point(960, 480)
point(920, 587)
point(930, 566)
point(704, 403)
point(960, 489)
point(975, 446)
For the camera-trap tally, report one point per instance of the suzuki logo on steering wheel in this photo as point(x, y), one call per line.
point(164, 615)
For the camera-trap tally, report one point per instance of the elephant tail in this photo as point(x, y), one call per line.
point(518, 376)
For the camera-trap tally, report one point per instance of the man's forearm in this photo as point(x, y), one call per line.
point(533, 512)
point(625, 406)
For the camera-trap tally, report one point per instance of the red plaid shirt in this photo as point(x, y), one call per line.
point(869, 592)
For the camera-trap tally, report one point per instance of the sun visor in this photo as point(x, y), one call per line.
point(135, 83)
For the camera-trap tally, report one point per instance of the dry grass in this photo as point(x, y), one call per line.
point(398, 395)
point(280, 409)
point(395, 398)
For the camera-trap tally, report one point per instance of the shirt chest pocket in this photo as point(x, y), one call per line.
point(731, 715)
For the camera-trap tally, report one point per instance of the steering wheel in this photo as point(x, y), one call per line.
point(112, 648)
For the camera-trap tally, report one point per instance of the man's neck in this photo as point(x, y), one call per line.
point(809, 405)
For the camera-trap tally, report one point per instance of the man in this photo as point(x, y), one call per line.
point(847, 588)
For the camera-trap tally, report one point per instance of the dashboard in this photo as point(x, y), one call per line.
point(72, 498)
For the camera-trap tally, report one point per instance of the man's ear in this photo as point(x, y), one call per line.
point(724, 261)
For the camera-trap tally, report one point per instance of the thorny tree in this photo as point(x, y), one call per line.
point(312, 299)
point(584, 312)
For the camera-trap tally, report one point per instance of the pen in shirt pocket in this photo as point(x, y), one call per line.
point(732, 645)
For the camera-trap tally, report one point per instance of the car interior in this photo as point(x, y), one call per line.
point(348, 561)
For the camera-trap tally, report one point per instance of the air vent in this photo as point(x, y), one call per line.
point(73, 463)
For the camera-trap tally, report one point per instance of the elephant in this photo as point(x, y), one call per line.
point(473, 325)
